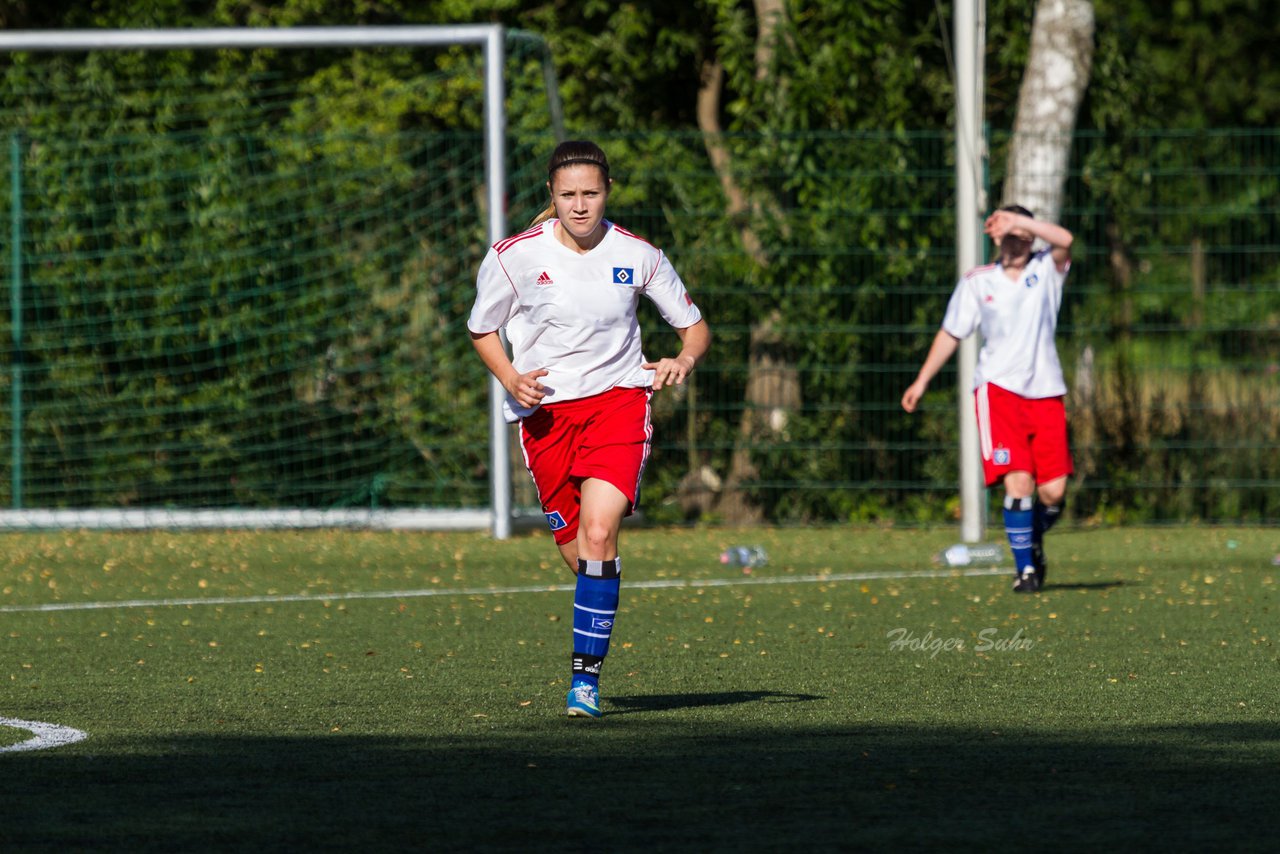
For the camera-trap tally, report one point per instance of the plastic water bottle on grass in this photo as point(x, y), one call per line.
point(981, 554)
point(747, 557)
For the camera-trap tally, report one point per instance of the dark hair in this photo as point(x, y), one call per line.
point(568, 153)
point(1018, 209)
point(573, 151)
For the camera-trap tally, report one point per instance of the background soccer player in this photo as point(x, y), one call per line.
point(1019, 388)
point(566, 290)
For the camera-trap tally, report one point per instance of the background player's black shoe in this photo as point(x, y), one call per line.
point(1026, 582)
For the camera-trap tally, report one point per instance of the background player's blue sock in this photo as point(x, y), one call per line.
point(1046, 516)
point(1018, 522)
point(595, 604)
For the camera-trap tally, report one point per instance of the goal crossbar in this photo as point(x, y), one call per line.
point(211, 38)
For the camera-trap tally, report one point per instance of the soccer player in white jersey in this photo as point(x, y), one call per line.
point(566, 291)
point(1019, 388)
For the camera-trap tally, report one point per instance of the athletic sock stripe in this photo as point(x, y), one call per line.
point(594, 610)
point(604, 570)
point(587, 634)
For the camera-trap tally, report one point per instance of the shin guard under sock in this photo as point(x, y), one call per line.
point(1018, 523)
point(595, 604)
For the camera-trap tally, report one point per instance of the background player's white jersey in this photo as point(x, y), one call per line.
point(1018, 320)
point(576, 314)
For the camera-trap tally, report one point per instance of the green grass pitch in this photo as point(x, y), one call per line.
point(309, 691)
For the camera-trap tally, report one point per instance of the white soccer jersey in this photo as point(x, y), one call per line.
point(1018, 320)
point(575, 314)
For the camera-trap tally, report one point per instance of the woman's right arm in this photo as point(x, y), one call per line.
point(943, 347)
point(524, 388)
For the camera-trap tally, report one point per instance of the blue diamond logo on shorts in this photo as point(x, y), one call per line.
point(1001, 456)
point(555, 520)
point(623, 275)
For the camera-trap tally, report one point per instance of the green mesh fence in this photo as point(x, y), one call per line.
point(1170, 331)
point(221, 305)
point(215, 313)
point(1172, 339)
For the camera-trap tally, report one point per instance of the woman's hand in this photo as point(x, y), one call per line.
point(526, 390)
point(669, 371)
point(1001, 223)
point(911, 397)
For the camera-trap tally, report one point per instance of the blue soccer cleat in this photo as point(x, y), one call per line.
point(584, 701)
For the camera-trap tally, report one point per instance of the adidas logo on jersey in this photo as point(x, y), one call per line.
point(544, 279)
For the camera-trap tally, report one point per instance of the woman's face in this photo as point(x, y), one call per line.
point(1016, 244)
point(578, 192)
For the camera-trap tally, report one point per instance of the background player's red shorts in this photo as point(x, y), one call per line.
point(605, 436)
point(1021, 434)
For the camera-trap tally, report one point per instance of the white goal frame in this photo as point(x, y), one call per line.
point(490, 37)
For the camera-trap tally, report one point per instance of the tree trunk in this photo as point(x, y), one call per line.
point(1056, 77)
point(708, 112)
point(770, 15)
point(1053, 86)
point(773, 386)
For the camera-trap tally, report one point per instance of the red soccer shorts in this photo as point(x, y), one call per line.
point(1021, 434)
point(605, 436)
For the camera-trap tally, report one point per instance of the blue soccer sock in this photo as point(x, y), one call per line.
point(1046, 516)
point(595, 604)
point(1019, 520)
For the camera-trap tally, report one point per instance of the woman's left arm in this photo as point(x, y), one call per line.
point(1058, 238)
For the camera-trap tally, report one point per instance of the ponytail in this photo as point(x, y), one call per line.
point(545, 215)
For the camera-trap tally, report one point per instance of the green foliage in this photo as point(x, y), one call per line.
point(1183, 64)
point(226, 309)
point(257, 280)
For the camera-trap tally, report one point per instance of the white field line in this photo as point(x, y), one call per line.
point(657, 584)
point(48, 735)
point(45, 735)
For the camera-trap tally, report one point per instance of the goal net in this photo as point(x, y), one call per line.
point(238, 281)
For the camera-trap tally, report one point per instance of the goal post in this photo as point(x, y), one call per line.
point(970, 36)
point(490, 39)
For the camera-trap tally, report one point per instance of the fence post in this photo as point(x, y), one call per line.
point(970, 25)
point(15, 308)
